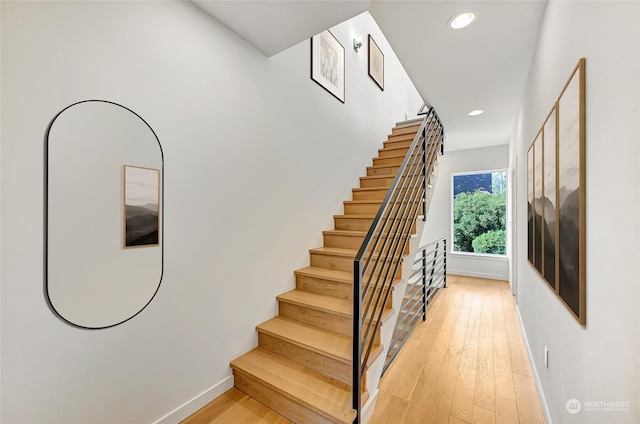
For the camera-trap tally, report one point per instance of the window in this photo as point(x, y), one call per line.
point(480, 212)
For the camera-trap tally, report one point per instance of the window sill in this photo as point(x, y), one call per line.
point(481, 256)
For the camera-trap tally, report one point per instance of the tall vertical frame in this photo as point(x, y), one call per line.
point(571, 194)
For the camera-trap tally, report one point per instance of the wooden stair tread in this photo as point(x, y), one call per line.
point(393, 156)
point(345, 277)
point(377, 177)
point(370, 188)
point(298, 384)
point(326, 274)
point(318, 302)
point(356, 233)
point(382, 166)
point(355, 216)
point(329, 343)
point(336, 251)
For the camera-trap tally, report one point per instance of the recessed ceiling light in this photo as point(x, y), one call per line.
point(462, 19)
point(476, 112)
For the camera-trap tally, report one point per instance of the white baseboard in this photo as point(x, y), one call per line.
point(197, 402)
point(478, 274)
point(534, 371)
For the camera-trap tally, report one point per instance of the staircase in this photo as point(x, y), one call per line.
point(302, 367)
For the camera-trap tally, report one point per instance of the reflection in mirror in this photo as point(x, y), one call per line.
point(103, 209)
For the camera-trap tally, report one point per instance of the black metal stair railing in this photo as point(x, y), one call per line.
point(380, 256)
point(429, 274)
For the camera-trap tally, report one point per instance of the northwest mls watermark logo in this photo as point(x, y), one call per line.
point(574, 406)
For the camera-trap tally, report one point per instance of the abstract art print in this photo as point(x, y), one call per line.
point(141, 206)
point(327, 63)
point(556, 205)
point(537, 202)
point(530, 205)
point(571, 193)
point(549, 199)
point(376, 63)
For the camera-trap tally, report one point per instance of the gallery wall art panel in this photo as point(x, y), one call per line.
point(530, 204)
point(537, 202)
point(327, 63)
point(571, 193)
point(376, 63)
point(141, 206)
point(549, 199)
point(556, 207)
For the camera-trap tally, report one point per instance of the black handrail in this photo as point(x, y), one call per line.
point(377, 262)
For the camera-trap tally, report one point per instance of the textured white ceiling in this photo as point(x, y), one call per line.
point(483, 66)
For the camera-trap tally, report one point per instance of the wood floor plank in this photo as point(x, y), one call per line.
point(462, 404)
point(529, 410)
point(455, 420)
point(506, 410)
point(483, 416)
point(502, 366)
point(484, 395)
point(519, 360)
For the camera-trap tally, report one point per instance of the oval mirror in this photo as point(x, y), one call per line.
point(104, 171)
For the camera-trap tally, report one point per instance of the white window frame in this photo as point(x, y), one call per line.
point(493, 256)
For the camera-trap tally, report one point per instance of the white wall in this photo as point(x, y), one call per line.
point(257, 159)
point(439, 219)
point(600, 361)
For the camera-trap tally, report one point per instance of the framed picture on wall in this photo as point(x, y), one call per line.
point(327, 63)
point(549, 199)
point(530, 249)
point(141, 206)
point(537, 203)
point(571, 193)
point(376, 63)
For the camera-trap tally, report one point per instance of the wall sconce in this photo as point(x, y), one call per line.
point(357, 42)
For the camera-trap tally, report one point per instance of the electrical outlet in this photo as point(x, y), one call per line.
point(546, 357)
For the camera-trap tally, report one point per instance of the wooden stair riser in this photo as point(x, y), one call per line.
point(341, 263)
point(286, 407)
point(327, 320)
point(373, 171)
point(392, 151)
point(377, 182)
point(378, 193)
point(338, 372)
point(340, 289)
point(406, 144)
point(325, 287)
point(388, 161)
point(351, 242)
point(397, 144)
point(401, 137)
point(411, 129)
point(355, 223)
point(369, 208)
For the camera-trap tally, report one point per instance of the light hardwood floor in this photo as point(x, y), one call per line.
point(466, 364)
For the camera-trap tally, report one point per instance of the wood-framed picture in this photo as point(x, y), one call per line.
point(549, 199)
point(571, 194)
point(538, 210)
point(530, 250)
point(327, 63)
point(376, 63)
point(141, 206)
